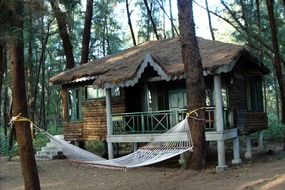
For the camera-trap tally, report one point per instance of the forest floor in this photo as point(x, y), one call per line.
point(265, 171)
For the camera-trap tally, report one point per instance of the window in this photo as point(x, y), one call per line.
point(94, 93)
point(74, 104)
point(254, 95)
point(225, 97)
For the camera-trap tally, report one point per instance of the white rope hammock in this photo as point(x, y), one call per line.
point(153, 152)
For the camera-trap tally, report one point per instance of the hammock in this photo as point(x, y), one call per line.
point(153, 152)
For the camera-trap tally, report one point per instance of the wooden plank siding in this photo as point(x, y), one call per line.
point(237, 100)
point(72, 130)
point(256, 121)
point(94, 117)
point(244, 120)
point(93, 125)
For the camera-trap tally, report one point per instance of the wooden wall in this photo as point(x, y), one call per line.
point(72, 131)
point(244, 120)
point(94, 117)
point(256, 121)
point(237, 100)
point(93, 125)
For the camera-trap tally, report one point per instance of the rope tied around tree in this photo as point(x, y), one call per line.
point(194, 115)
point(20, 118)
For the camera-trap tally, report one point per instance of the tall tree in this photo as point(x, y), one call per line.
point(5, 102)
point(194, 80)
point(151, 19)
point(209, 20)
point(171, 19)
point(130, 23)
point(86, 31)
point(277, 58)
point(23, 130)
point(63, 31)
point(1, 72)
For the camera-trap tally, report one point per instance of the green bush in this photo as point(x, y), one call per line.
point(275, 129)
point(39, 141)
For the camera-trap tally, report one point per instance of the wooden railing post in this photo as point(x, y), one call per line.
point(142, 122)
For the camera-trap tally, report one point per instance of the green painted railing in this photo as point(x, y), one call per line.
point(156, 121)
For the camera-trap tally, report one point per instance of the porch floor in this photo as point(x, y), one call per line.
point(134, 138)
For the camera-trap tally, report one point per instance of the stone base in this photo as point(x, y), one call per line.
point(221, 168)
point(248, 155)
point(236, 161)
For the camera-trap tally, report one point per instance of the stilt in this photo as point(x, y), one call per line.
point(219, 122)
point(109, 122)
point(248, 153)
point(135, 146)
point(260, 141)
point(236, 150)
point(221, 156)
point(184, 160)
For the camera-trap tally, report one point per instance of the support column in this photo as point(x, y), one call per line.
point(184, 160)
point(219, 122)
point(135, 147)
point(260, 140)
point(236, 151)
point(109, 122)
point(248, 153)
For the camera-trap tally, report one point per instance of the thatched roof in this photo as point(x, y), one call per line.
point(126, 67)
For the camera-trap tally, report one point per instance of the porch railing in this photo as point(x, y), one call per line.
point(155, 121)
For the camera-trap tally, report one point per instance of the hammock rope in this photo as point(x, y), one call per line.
point(151, 153)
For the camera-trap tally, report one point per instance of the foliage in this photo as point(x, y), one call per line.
point(275, 129)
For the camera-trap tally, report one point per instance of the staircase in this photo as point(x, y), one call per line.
point(50, 151)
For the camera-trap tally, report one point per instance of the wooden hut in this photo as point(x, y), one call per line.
point(139, 92)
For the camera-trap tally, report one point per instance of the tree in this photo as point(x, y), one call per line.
point(130, 23)
point(23, 130)
point(209, 20)
point(62, 26)
point(1, 72)
point(277, 58)
point(194, 81)
point(86, 32)
point(151, 19)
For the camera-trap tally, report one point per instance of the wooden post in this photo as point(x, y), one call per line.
point(109, 122)
point(219, 122)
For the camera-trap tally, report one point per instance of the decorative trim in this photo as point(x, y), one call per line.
point(148, 61)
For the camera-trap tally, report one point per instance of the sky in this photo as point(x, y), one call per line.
point(200, 18)
point(222, 29)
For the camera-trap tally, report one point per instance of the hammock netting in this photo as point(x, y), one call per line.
point(153, 152)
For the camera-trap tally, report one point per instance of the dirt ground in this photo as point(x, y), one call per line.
point(265, 171)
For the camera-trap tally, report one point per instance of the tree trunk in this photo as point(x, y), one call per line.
point(151, 19)
point(194, 81)
point(6, 98)
point(260, 52)
point(1, 73)
point(62, 26)
point(173, 28)
point(41, 62)
point(130, 23)
point(277, 59)
point(171, 19)
point(210, 21)
point(43, 110)
point(23, 130)
point(86, 32)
